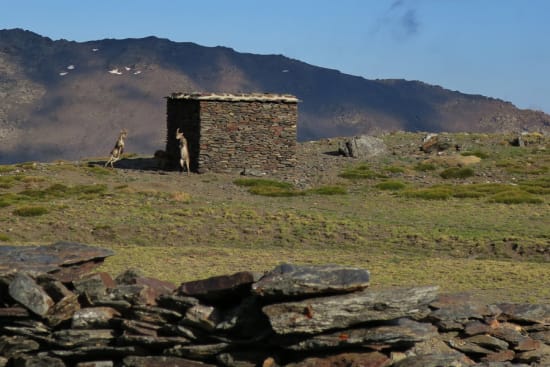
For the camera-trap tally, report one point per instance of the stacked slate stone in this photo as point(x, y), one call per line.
point(291, 316)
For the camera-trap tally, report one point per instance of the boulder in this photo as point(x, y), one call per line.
point(362, 146)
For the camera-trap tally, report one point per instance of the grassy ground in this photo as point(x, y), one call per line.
point(487, 232)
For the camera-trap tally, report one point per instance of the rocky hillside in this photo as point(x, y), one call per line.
point(63, 99)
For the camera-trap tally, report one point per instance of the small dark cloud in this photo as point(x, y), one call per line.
point(400, 20)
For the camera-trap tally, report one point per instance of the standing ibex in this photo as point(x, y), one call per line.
point(184, 150)
point(117, 151)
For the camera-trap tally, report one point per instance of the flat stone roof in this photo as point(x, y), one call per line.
point(232, 97)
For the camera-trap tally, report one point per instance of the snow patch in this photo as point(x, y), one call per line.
point(115, 71)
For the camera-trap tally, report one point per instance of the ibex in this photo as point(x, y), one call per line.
point(117, 151)
point(184, 150)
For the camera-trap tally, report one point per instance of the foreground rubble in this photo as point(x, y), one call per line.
point(61, 313)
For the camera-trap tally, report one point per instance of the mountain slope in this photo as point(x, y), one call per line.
point(63, 99)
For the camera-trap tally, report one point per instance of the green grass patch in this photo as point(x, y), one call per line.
point(328, 190)
point(515, 197)
point(424, 167)
point(30, 211)
point(267, 187)
point(394, 169)
point(359, 172)
point(431, 193)
point(539, 186)
point(4, 237)
point(391, 185)
point(457, 172)
point(99, 171)
point(259, 182)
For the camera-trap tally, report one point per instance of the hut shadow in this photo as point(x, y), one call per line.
point(138, 164)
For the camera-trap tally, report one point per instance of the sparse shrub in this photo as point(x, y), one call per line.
point(329, 190)
point(423, 167)
point(515, 197)
point(432, 193)
point(7, 182)
point(181, 197)
point(391, 185)
point(477, 153)
point(28, 165)
point(457, 172)
point(4, 237)
point(30, 211)
point(359, 172)
point(7, 168)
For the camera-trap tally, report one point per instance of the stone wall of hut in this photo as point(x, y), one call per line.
point(230, 135)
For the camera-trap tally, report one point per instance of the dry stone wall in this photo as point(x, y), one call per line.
point(233, 133)
point(294, 316)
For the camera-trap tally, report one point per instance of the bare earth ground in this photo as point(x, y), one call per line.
point(178, 227)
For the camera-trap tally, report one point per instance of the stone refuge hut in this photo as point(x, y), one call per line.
point(232, 132)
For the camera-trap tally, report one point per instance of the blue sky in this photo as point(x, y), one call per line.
point(498, 48)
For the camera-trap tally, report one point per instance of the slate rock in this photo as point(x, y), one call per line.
point(401, 333)
point(161, 361)
point(488, 341)
point(151, 343)
point(94, 285)
point(435, 360)
point(288, 281)
point(134, 327)
point(11, 346)
point(134, 294)
point(197, 351)
point(177, 303)
point(63, 310)
point(219, 288)
point(98, 352)
point(28, 293)
point(37, 361)
point(452, 310)
point(371, 359)
point(502, 356)
point(155, 287)
point(316, 315)
point(65, 260)
point(525, 313)
point(13, 312)
point(71, 338)
point(203, 317)
point(94, 317)
point(153, 314)
point(95, 364)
